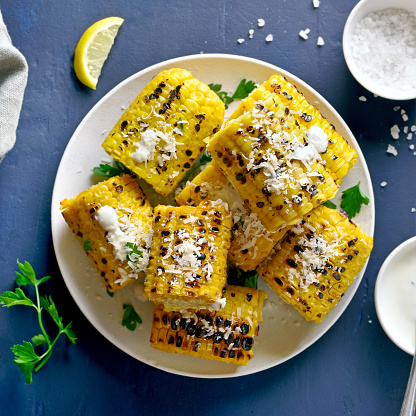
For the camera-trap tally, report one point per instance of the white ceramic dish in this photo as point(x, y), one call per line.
point(283, 333)
point(363, 8)
point(396, 270)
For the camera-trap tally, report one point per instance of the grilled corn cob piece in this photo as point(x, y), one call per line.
point(270, 169)
point(251, 243)
point(295, 114)
point(188, 259)
point(161, 134)
point(226, 335)
point(317, 262)
point(112, 221)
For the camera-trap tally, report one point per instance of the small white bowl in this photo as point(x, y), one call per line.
point(363, 8)
point(395, 296)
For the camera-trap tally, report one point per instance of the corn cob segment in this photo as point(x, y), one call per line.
point(317, 262)
point(112, 221)
point(297, 115)
point(279, 175)
point(251, 243)
point(226, 335)
point(161, 134)
point(188, 259)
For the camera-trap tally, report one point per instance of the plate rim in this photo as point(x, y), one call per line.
point(203, 57)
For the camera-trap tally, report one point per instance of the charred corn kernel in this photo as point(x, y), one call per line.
point(161, 134)
point(251, 243)
point(275, 172)
point(317, 262)
point(112, 221)
point(296, 114)
point(188, 259)
point(226, 335)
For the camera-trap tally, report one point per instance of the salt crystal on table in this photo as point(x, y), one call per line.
point(269, 38)
point(316, 3)
point(304, 33)
point(320, 41)
point(251, 33)
point(241, 40)
point(405, 117)
point(395, 132)
point(362, 98)
point(392, 150)
point(383, 184)
point(411, 147)
point(261, 22)
point(405, 129)
point(397, 108)
point(413, 209)
point(409, 136)
point(413, 128)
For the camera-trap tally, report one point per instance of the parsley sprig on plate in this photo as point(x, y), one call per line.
point(25, 355)
point(351, 201)
point(243, 90)
point(107, 171)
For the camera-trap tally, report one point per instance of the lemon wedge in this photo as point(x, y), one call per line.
point(93, 48)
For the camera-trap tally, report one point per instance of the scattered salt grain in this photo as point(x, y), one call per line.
point(405, 117)
point(269, 38)
point(413, 128)
point(392, 150)
point(261, 22)
point(370, 321)
point(413, 210)
point(405, 129)
point(383, 184)
point(396, 108)
point(316, 3)
point(411, 147)
point(384, 48)
point(241, 40)
point(123, 108)
point(409, 136)
point(320, 41)
point(304, 33)
point(402, 111)
point(395, 132)
point(251, 33)
point(362, 98)
point(105, 160)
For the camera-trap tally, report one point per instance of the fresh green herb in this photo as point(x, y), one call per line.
point(352, 199)
point(134, 250)
point(241, 221)
point(111, 294)
point(238, 277)
point(243, 90)
point(87, 245)
point(130, 317)
point(108, 171)
point(180, 122)
point(25, 355)
point(251, 279)
point(329, 204)
point(203, 160)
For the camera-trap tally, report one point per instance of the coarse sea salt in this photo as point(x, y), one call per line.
point(384, 48)
point(392, 150)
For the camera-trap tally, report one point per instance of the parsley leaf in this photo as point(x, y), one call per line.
point(108, 171)
point(87, 245)
point(329, 204)
point(352, 199)
point(243, 90)
point(134, 250)
point(238, 277)
point(180, 122)
point(111, 294)
point(25, 356)
point(202, 161)
point(130, 317)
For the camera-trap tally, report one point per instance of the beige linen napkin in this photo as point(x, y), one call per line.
point(13, 79)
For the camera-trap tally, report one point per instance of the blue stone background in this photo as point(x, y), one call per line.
point(353, 370)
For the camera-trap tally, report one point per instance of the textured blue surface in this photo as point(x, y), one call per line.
point(353, 370)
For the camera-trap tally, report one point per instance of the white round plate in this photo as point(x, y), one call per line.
point(284, 333)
